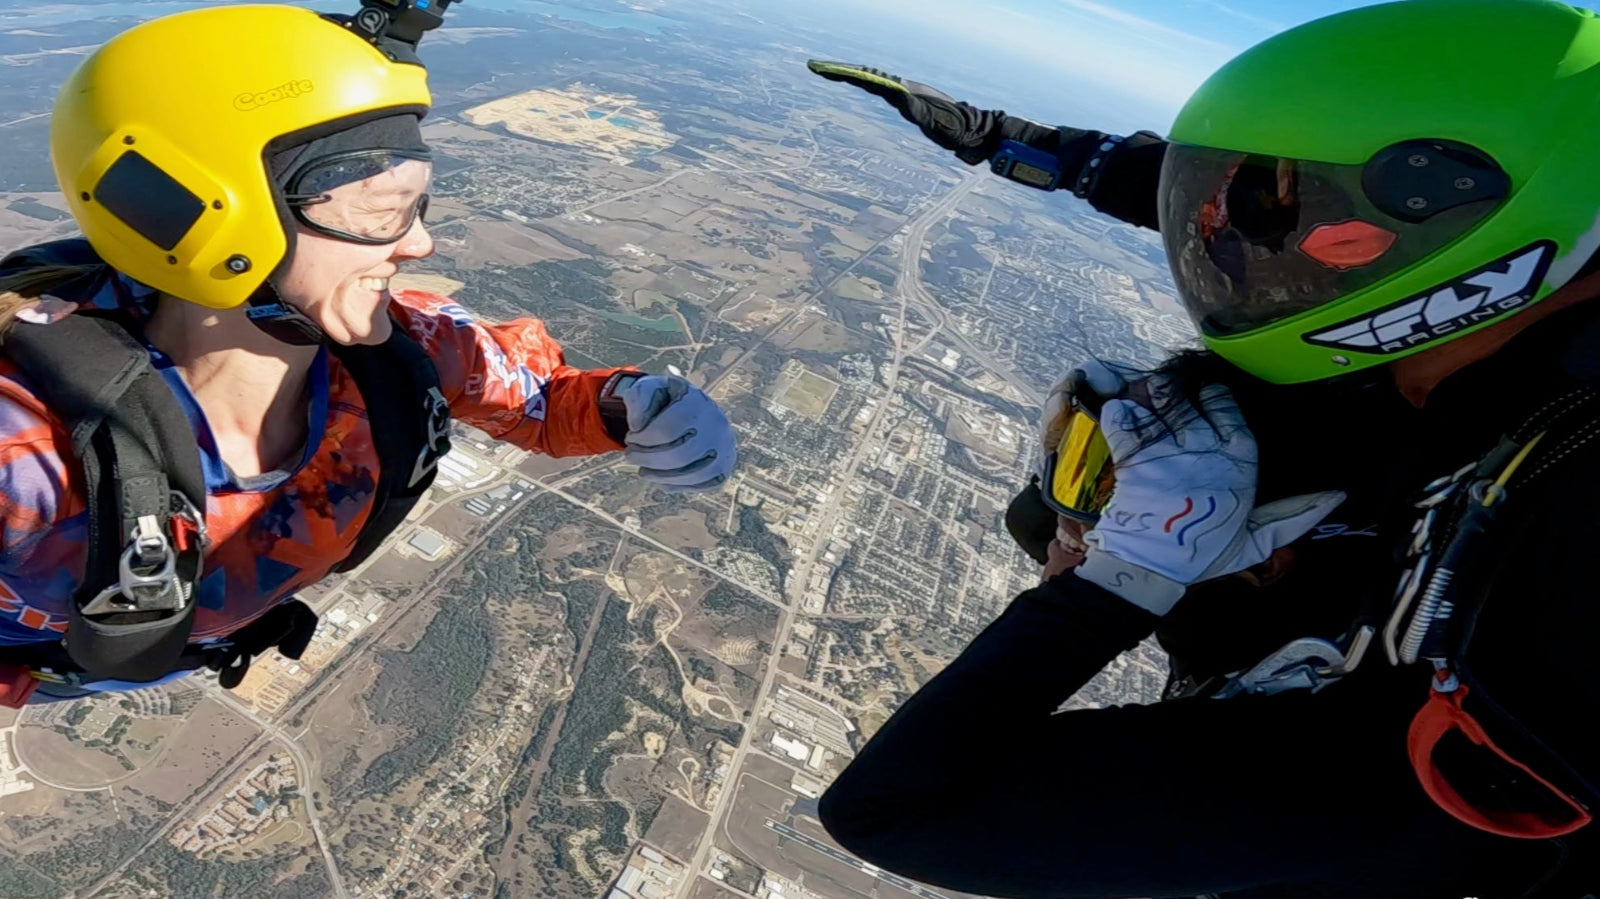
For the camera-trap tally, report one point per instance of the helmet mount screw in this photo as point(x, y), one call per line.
point(128, 139)
point(1466, 183)
point(172, 260)
point(1416, 203)
point(83, 195)
point(216, 204)
point(1417, 159)
point(1340, 360)
point(238, 264)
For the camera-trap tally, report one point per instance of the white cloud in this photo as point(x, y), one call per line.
point(1271, 26)
point(1149, 28)
point(1115, 51)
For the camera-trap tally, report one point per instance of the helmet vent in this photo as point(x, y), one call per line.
point(1416, 180)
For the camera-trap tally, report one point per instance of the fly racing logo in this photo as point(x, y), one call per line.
point(1502, 286)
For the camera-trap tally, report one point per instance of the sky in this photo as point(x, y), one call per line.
point(1140, 58)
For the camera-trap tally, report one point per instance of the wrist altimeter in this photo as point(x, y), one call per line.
point(1023, 164)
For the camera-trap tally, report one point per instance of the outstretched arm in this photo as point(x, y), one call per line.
point(1117, 175)
point(510, 380)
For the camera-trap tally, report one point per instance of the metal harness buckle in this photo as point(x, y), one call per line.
point(148, 568)
point(1309, 663)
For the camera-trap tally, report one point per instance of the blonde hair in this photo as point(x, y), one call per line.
point(22, 289)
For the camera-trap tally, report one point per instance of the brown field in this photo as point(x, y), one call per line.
point(564, 117)
point(827, 336)
point(677, 828)
point(213, 736)
point(438, 284)
point(539, 466)
point(491, 243)
point(682, 531)
point(706, 889)
point(58, 760)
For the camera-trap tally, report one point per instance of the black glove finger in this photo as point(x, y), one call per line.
point(919, 89)
point(969, 132)
point(231, 667)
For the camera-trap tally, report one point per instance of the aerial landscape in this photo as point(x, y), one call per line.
point(555, 681)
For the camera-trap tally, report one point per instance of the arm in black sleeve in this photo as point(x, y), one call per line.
point(1129, 187)
point(977, 783)
point(1121, 181)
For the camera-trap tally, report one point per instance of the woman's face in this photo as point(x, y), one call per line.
point(342, 285)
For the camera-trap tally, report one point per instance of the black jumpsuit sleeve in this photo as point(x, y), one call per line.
point(1130, 185)
point(1123, 182)
point(978, 784)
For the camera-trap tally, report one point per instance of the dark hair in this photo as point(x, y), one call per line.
point(1187, 372)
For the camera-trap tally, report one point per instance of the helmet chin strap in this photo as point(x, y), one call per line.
point(281, 321)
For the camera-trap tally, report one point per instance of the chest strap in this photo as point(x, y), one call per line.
point(144, 493)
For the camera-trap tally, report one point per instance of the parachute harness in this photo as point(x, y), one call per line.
point(1451, 563)
point(1449, 560)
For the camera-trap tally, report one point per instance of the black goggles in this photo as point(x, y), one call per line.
point(1078, 475)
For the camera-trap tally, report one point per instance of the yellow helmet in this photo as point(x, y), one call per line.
point(159, 138)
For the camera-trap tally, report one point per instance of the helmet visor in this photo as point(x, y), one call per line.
point(1254, 239)
point(365, 196)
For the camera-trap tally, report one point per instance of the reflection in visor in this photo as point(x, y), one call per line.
point(367, 196)
point(1254, 239)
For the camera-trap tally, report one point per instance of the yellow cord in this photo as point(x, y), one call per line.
point(1497, 489)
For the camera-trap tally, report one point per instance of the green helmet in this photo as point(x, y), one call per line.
point(1380, 181)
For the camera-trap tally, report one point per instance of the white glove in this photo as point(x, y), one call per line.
point(677, 435)
point(1182, 511)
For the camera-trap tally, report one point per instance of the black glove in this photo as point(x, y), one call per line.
point(1117, 176)
point(287, 626)
point(972, 134)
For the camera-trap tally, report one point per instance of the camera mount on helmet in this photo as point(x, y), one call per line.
point(395, 26)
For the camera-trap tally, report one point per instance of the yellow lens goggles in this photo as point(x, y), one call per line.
point(1078, 475)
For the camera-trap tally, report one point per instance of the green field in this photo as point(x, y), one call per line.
point(809, 395)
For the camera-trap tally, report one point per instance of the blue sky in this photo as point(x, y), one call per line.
point(1134, 60)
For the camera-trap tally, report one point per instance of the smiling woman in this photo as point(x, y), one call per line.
point(265, 408)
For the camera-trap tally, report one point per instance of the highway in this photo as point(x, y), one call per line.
point(911, 286)
point(910, 886)
point(916, 231)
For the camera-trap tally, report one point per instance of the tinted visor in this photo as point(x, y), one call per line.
point(1254, 239)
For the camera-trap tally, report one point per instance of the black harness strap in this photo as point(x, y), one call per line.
point(411, 436)
point(132, 615)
